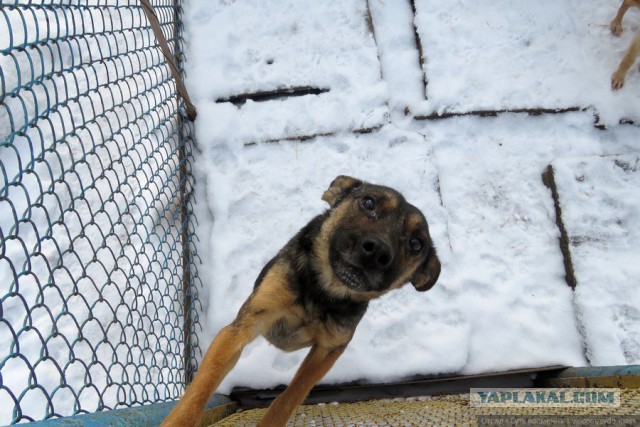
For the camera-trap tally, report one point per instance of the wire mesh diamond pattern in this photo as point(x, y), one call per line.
point(98, 284)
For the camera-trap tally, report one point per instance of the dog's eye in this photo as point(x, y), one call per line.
point(416, 244)
point(368, 203)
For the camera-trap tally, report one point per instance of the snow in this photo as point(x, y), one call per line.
point(523, 54)
point(502, 301)
point(600, 202)
point(255, 46)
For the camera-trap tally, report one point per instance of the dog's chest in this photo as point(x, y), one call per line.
point(289, 334)
point(292, 333)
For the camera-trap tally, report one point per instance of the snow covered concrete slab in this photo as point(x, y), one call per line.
point(399, 56)
point(324, 52)
point(599, 200)
point(511, 55)
point(506, 273)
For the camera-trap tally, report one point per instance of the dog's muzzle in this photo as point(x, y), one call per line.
point(361, 262)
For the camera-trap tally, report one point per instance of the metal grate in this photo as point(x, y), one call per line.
point(450, 410)
point(98, 285)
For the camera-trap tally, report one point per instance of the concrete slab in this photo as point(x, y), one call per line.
point(498, 56)
point(269, 74)
point(598, 208)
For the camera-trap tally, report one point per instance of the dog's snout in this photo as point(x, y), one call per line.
point(376, 253)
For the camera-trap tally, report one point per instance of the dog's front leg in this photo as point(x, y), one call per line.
point(616, 24)
point(313, 368)
point(221, 357)
point(618, 77)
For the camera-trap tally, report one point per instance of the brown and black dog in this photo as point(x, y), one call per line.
point(617, 79)
point(314, 292)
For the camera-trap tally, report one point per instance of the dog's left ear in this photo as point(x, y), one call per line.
point(427, 273)
point(339, 188)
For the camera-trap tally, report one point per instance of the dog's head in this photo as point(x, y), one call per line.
point(375, 240)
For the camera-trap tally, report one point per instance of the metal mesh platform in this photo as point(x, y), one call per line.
point(452, 410)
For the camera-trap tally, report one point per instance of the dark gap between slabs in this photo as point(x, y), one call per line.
point(273, 95)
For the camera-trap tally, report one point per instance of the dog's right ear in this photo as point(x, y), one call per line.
point(339, 189)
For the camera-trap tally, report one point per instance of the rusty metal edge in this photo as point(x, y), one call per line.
point(593, 376)
point(413, 386)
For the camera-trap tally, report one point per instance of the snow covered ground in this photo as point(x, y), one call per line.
point(603, 228)
point(522, 54)
point(502, 301)
point(260, 46)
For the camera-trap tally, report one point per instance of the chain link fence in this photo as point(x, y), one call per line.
point(98, 286)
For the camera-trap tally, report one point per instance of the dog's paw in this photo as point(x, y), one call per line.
point(616, 27)
point(617, 80)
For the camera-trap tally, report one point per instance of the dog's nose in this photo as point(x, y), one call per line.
point(376, 253)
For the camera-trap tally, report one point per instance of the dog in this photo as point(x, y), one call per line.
point(617, 79)
point(316, 290)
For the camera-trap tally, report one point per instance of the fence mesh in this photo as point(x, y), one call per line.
point(97, 277)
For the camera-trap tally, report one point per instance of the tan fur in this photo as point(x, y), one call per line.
point(412, 221)
point(260, 311)
point(388, 204)
point(337, 188)
point(618, 77)
point(616, 23)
